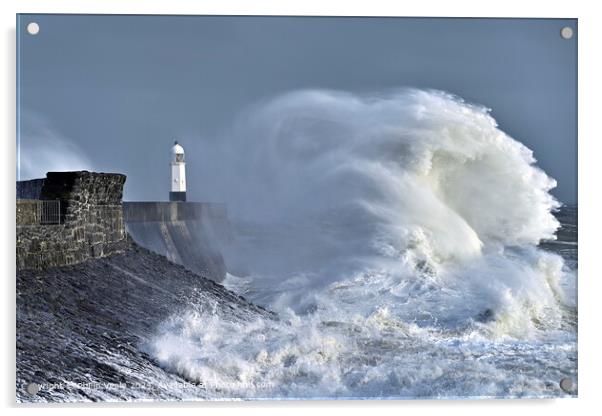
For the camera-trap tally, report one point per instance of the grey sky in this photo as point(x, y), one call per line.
point(116, 90)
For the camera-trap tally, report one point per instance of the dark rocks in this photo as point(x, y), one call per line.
point(488, 315)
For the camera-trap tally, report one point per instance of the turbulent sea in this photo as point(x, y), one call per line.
point(410, 248)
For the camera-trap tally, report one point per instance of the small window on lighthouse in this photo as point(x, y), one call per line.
point(179, 157)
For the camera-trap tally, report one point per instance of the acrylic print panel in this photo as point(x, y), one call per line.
point(214, 207)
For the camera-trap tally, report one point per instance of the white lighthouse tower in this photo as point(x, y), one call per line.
point(178, 174)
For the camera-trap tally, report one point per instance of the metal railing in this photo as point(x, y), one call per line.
point(49, 212)
point(31, 212)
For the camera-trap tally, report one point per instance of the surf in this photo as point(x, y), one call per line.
point(375, 225)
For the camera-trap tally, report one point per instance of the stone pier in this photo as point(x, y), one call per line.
point(71, 217)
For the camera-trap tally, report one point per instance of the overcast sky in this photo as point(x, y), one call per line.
point(112, 92)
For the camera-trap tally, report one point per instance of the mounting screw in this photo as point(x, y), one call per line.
point(33, 28)
point(566, 32)
point(32, 389)
point(566, 384)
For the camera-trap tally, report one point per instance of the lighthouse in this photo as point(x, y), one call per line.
point(178, 174)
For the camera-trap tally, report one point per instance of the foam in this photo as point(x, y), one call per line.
point(405, 221)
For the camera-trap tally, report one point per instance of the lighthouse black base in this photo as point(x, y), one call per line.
point(177, 196)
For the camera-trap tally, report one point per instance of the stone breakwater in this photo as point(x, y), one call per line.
point(81, 328)
point(70, 217)
point(192, 234)
point(88, 222)
point(89, 297)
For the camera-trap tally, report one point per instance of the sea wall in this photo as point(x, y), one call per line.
point(86, 220)
point(30, 189)
point(70, 217)
point(188, 233)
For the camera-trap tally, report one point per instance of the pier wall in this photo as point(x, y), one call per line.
point(70, 217)
point(188, 233)
point(75, 216)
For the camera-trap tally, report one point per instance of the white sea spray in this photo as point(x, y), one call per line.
point(396, 237)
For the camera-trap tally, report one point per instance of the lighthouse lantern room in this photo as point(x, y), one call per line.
point(178, 174)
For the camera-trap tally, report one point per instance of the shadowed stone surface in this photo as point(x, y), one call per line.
point(81, 326)
point(30, 189)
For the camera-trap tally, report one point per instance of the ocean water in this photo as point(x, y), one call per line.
point(410, 248)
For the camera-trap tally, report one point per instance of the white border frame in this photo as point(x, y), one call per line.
point(590, 273)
